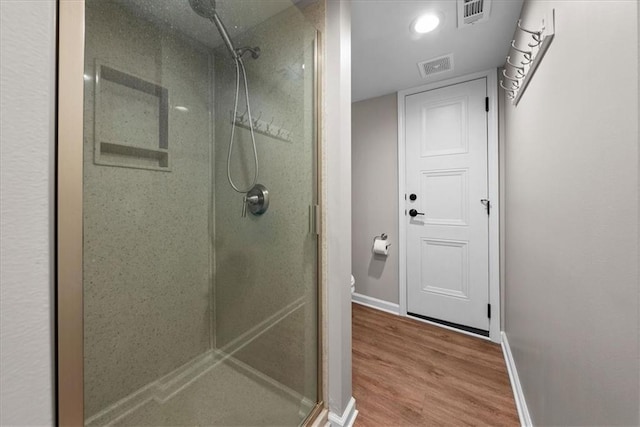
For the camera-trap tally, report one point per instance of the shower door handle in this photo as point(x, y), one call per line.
point(314, 219)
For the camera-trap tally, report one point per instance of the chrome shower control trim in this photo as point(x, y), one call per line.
point(257, 199)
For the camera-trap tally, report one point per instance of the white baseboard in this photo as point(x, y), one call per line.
point(347, 418)
point(376, 303)
point(518, 394)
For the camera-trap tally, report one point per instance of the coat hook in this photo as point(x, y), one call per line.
point(524, 52)
point(536, 35)
point(527, 55)
point(518, 67)
point(268, 127)
point(241, 117)
point(536, 44)
point(528, 60)
point(511, 89)
point(504, 73)
point(255, 122)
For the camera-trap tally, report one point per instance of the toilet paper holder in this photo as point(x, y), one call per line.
point(383, 236)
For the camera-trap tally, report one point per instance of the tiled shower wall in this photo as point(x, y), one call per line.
point(146, 245)
point(265, 263)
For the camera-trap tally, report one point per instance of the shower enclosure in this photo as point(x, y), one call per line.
point(198, 300)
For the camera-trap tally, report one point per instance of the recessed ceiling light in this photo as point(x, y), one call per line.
point(426, 23)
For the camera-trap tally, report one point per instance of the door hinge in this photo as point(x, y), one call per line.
point(486, 104)
point(489, 311)
point(487, 205)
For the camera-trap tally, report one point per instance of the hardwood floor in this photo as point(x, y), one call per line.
point(408, 373)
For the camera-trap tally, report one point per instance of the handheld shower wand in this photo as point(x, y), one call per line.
point(256, 195)
point(224, 34)
point(207, 9)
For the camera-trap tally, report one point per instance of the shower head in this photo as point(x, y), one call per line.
point(204, 8)
point(207, 9)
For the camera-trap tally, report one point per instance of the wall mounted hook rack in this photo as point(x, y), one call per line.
point(530, 57)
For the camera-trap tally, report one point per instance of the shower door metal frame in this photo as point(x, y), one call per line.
point(319, 229)
point(69, 318)
point(69, 214)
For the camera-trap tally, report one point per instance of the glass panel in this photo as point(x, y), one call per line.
point(195, 314)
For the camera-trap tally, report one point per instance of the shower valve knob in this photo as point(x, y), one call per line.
point(256, 200)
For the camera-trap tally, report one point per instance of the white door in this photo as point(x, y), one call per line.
point(446, 172)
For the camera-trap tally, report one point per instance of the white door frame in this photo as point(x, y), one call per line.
point(494, 193)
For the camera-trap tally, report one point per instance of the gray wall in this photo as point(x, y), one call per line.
point(572, 219)
point(27, 111)
point(374, 198)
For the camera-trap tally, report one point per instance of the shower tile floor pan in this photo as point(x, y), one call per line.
point(222, 395)
point(213, 389)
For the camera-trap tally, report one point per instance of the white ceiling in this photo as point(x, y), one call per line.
point(385, 51)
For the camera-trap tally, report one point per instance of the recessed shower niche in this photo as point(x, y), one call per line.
point(131, 120)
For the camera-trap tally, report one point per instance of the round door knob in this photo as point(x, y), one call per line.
point(414, 213)
point(412, 197)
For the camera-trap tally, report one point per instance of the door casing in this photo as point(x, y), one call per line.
point(494, 196)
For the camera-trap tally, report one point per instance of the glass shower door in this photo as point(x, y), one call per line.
point(198, 308)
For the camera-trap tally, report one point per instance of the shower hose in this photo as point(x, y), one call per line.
point(240, 69)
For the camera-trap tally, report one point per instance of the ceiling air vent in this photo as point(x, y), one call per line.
point(473, 11)
point(436, 65)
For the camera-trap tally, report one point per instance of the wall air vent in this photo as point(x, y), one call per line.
point(436, 65)
point(473, 11)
